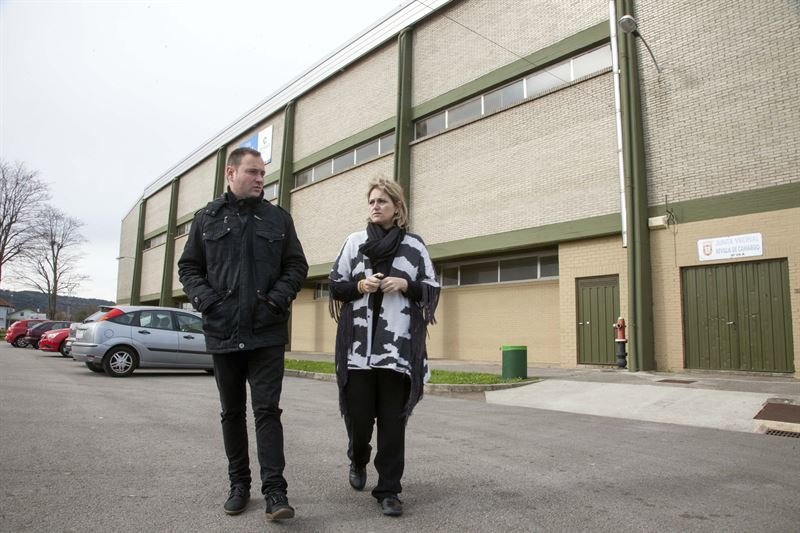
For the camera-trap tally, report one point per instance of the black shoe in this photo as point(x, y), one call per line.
point(391, 506)
point(358, 476)
point(237, 499)
point(278, 507)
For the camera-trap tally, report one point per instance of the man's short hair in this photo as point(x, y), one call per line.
point(235, 157)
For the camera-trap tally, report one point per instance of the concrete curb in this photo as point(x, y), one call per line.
point(429, 388)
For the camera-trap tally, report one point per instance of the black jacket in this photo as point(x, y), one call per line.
point(241, 268)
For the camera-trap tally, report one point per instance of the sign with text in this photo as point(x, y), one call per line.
point(261, 141)
point(749, 245)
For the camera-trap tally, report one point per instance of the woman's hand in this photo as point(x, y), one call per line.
point(370, 284)
point(389, 285)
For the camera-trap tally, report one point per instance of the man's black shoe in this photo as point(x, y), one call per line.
point(278, 507)
point(237, 499)
point(358, 477)
point(391, 506)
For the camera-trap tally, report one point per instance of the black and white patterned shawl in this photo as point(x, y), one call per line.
point(399, 339)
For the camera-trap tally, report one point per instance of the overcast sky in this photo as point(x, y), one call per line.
point(102, 97)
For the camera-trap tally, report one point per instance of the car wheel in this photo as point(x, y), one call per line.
point(94, 367)
point(120, 362)
point(19, 342)
point(63, 349)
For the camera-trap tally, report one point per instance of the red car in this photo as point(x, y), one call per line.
point(16, 333)
point(54, 341)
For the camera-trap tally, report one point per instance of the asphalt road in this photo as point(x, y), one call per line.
point(82, 452)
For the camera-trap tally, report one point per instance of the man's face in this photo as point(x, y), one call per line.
point(246, 180)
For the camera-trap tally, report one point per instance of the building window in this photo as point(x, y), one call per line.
point(271, 191)
point(529, 87)
point(346, 160)
point(501, 270)
point(321, 290)
point(183, 229)
point(155, 241)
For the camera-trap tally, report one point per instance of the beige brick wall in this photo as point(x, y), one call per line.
point(584, 259)
point(157, 210)
point(677, 247)
point(473, 322)
point(152, 270)
point(447, 55)
point(127, 252)
point(723, 116)
point(325, 213)
point(549, 160)
point(313, 330)
point(276, 121)
point(364, 95)
point(196, 187)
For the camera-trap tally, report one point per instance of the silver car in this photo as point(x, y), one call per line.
point(128, 337)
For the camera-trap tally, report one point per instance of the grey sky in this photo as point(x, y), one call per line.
point(102, 97)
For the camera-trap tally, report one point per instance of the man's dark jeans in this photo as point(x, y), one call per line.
point(263, 368)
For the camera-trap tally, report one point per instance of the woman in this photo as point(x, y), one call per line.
point(383, 295)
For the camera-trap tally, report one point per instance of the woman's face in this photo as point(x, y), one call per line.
point(381, 208)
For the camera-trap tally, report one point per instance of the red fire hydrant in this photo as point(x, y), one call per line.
point(619, 343)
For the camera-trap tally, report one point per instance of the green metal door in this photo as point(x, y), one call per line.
point(598, 309)
point(738, 316)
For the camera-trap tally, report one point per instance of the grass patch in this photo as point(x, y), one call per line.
point(437, 376)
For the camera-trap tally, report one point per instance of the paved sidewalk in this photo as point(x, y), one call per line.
point(720, 400)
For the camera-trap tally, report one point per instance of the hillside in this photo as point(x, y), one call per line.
point(69, 307)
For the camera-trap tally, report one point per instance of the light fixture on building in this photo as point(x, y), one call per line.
point(629, 25)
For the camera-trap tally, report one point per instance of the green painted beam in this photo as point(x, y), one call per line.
point(286, 182)
point(184, 219)
point(153, 297)
point(219, 173)
point(404, 126)
point(156, 232)
point(345, 144)
point(734, 204)
point(136, 282)
point(165, 299)
point(575, 44)
point(272, 177)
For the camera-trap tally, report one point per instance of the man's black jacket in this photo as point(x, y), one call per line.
point(241, 268)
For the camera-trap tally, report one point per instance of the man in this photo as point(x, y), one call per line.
point(241, 268)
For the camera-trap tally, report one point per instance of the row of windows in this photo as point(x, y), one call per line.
point(495, 271)
point(500, 271)
point(530, 87)
point(155, 241)
point(340, 163)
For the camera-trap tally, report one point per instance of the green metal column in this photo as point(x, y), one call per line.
point(404, 126)
point(219, 176)
point(136, 282)
point(640, 286)
point(286, 180)
point(166, 299)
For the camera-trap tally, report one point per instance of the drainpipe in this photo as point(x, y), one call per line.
point(612, 20)
point(403, 128)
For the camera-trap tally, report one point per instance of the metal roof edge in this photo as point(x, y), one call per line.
point(354, 49)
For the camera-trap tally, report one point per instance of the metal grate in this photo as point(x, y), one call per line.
point(779, 433)
point(682, 381)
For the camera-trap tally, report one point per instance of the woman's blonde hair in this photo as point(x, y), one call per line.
point(395, 192)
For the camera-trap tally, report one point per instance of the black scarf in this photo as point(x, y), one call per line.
point(381, 246)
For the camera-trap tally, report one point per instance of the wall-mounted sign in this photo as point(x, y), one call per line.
point(749, 245)
point(261, 141)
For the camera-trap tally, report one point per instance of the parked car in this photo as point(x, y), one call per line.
point(16, 333)
point(129, 337)
point(35, 333)
point(74, 327)
point(53, 341)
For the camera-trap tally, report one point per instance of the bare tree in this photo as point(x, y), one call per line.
point(22, 194)
point(51, 256)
